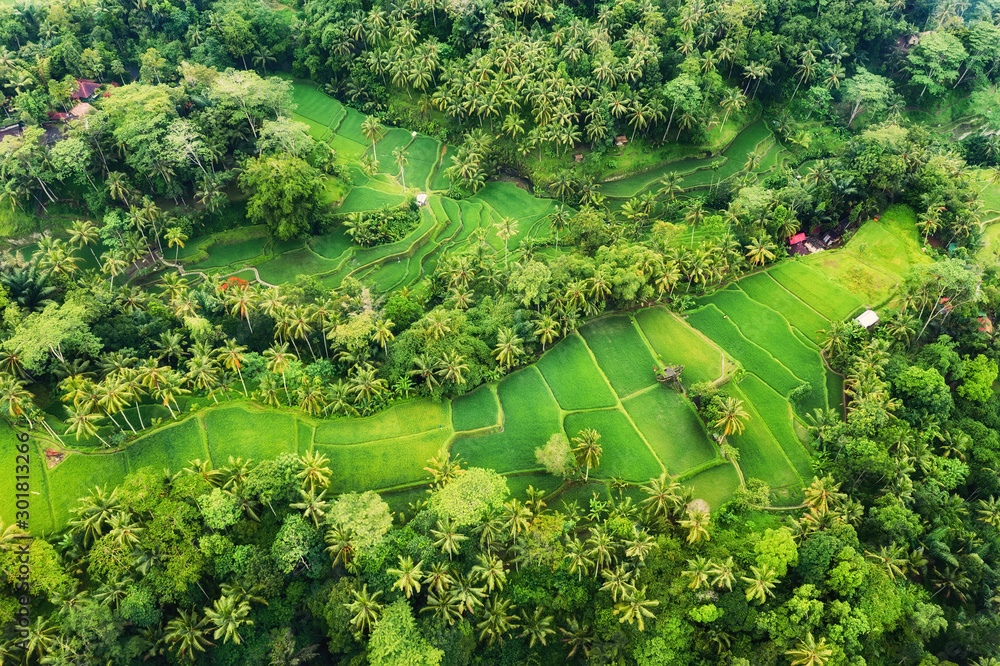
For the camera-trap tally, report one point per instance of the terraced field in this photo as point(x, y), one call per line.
point(647, 427)
point(703, 172)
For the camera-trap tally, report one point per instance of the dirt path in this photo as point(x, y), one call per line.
point(204, 275)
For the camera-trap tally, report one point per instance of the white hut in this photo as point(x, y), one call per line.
point(867, 319)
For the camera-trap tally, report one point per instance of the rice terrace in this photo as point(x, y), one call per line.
point(766, 325)
point(410, 334)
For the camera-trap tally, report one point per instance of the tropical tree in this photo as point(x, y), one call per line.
point(731, 417)
point(365, 608)
point(228, 614)
point(187, 634)
point(810, 652)
point(175, 238)
point(588, 450)
point(508, 348)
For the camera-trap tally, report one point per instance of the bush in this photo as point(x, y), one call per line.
point(800, 393)
point(385, 225)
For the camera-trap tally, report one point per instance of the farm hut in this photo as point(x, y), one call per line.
point(867, 319)
point(621, 140)
point(797, 244)
point(797, 238)
point(578, 157)
point(422, 199)
point(80, 110)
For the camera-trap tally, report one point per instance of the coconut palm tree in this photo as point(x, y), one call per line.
point(448, 538)
point(84, 423)
point(187, 634)
point(810, 652)
point(497, 621)
point(175, 238)
point(579, 637)
point(489, 570)
point(698, 571)
point(15, 400)
point(760, 251)
point(365, 608)
point(83, 233)
point(372, 130)
point(401, 160)
point(407, 575)
point(228, 614)
point(279, 360)
point(169, 389)
point(451, 366)
point(588, 450)
point(233, 356)
point(697, 521)
point(536, 627)
point(635, 608)
point(731, 417)
point(314, 470)
point(506, 228)
point(508, 348)
point(761, 583)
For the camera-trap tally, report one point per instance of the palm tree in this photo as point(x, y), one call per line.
point(187, 634)
point(83, 423)
point(760, 251)
point(426, 369)
point(732, 100)
point(489, 569)
point(560, 218)
point(233, 356)
point(617, 582)
point(175, 237)
point(366, 609)
point(536, 627)
point(451, 366)
point(731, 415)
point(315, 470)
point(588, 450)
point(664, 497)
point(698, 571)
point(41, 638)
point(228, 614)
point(635, 608)
point(547, 330)
point(810, 652)
point(506, 229)
point(371, 128)
point(401, 160)
point(279, 360)
point(697, 521)
point(169, 389)
point(578, 636)
point(508, 348)
point(84, 233)
point(723, 575)
point(497, 620)
point(670, 186)
point(761, 583)
point(448, 538)
point(15, 400)
point(407, 575)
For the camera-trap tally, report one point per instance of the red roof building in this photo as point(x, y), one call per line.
point(797, 238)
point(85, 89)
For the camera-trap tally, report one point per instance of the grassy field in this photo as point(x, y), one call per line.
point(762, 288)
point(716, 485)
point(711, 321)
point(626, 455)
point(475, 410)
point(812, 286)
point(531, 416)
point(573, 376)
point(771, 332)
point(672, 428)
point(676, 343)
point(621, 353)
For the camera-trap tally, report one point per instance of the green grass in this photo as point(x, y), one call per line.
point(625, 456)
point(770, 331)
point(621, 353)
point(406, 418)
point(709, 320)
point(531, 416)
point(40, 518)
point(366, 198)
point(250, 432)
point(286, 267)
point(763, 289)
point(672, 428)
point(475, 410)
point(74, 478)
point(716, 486)
point(829, 299)
point(172, 447)
point(677, 343)
point(773, 408)
point(761, 456)
point(892, 243)
point(573, 376)
point(332, 245)
point(518, 484)
point(384, 463)
point(220, 256)
point(350, 129)
point(313, 103)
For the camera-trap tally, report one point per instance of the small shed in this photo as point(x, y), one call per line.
point(422, 199)
point(11, 130)
point(578, 157)
point(867, 319)
point(621, 140)
point(797, 238)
